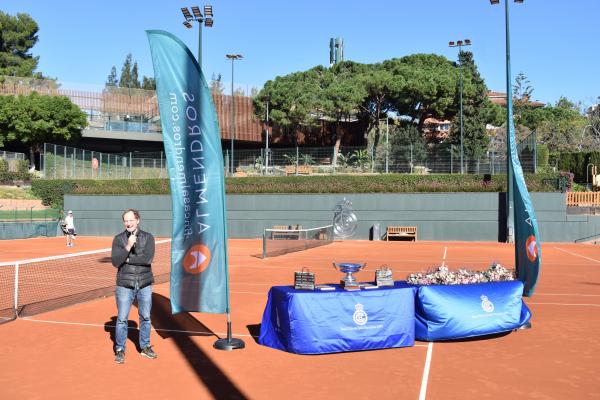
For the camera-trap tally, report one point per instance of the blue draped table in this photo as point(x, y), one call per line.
point(315, 322)
point(447, 312)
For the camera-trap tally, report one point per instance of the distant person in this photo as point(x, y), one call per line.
point(70, 229)
point(132, 253)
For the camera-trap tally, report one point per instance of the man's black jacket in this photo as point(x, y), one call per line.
point(134, 265)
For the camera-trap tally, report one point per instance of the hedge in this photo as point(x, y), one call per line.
point(52, 191)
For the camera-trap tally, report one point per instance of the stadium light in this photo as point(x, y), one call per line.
point(232, 57)
point(509, 173)
point(460, 44)
point(206, 19)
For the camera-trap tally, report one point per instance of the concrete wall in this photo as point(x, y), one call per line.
point(438, 216)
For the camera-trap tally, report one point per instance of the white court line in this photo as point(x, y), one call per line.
point(112, 326)
point(444, 259)
point(567, 304)
point(425, 379)
point(577, 255)
point(568, 294)
point(220, 334)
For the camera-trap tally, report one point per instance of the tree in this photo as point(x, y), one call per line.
point(216, 84)
point(126, 79)
point(522, 91)
point(477, 110)
point(17, 36)
point(294, 101)
point(342, 93)
point(380, 86)
point(428, 89)
point(408, 146)
point(148, 83)
point(112, 80)
point(35, 119)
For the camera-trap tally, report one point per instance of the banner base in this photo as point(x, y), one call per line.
point(229, 344)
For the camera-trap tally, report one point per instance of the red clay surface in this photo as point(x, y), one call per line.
point(67, 353)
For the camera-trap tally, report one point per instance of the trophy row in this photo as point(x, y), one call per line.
point(305, 279)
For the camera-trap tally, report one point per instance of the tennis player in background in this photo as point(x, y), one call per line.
point(132, 253)
point(70, 228)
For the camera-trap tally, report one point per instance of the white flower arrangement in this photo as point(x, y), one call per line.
point(442, 276)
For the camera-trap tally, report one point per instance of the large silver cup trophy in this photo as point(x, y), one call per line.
point(349, 269)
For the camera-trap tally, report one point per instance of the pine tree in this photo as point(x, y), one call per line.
point(112, 80)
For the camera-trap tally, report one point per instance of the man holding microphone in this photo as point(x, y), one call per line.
point(132, 253)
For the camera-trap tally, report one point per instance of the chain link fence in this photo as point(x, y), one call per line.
point(63, 162)
point(438, 159)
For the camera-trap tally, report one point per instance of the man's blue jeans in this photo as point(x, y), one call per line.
point(125, 297)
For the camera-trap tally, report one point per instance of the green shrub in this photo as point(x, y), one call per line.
point(542, 155)
point(52, 191)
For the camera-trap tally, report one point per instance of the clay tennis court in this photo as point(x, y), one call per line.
point(67, 353)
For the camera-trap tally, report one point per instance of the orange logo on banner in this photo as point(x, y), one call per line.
point(196, 259)
point(531, 248)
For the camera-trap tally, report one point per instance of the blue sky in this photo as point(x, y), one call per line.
point(553, 42)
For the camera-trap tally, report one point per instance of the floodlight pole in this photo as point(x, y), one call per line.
point(459, 44)
point(267, 142)
point(206, 19)
point(509, 125)
point(232, 57)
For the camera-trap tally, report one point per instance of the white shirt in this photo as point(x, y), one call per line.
point(69, 222)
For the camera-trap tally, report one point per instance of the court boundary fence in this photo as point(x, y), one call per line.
point(33, 286)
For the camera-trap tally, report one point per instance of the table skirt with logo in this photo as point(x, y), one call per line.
point(446, 312)
point(316, 322)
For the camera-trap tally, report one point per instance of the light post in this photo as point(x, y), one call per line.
point(267, 141)
point(509, 127)
point(460, 44)
point(206, 19)
point(232, 57)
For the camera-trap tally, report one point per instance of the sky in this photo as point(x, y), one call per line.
point(553, 42)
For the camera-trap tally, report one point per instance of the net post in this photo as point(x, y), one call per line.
point(16, 292)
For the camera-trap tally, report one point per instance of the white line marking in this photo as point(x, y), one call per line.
point(567, 304)
point(112, 326)
point(444, 259)
point(568, 294)
point(423, 391)
point(577, 255)
point(156, 330)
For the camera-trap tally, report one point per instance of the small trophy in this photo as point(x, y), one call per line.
point(304, 279)
point(383, 276)
point(349, 282)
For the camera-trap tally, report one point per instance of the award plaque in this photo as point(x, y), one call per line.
point(349, 282)
point(304, 279)
point(383, 276)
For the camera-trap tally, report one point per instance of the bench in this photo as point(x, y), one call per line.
point(300, 170)
point(401, 231)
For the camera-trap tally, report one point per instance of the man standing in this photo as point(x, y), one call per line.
point(132, 253)
point(70, 228)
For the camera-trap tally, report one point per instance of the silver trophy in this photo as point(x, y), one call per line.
point(349, 280)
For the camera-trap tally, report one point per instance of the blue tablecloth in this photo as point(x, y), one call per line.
point(446, 312)
point(315, 322)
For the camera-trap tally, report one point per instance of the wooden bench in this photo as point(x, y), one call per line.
point(300, 170)
point(401, 231)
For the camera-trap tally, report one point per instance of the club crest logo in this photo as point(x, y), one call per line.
point(486, 304)
point(196, 259)
point(531, 248)
point(360, 316)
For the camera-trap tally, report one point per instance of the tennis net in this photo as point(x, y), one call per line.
point(280, 240)
point(35, 286)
